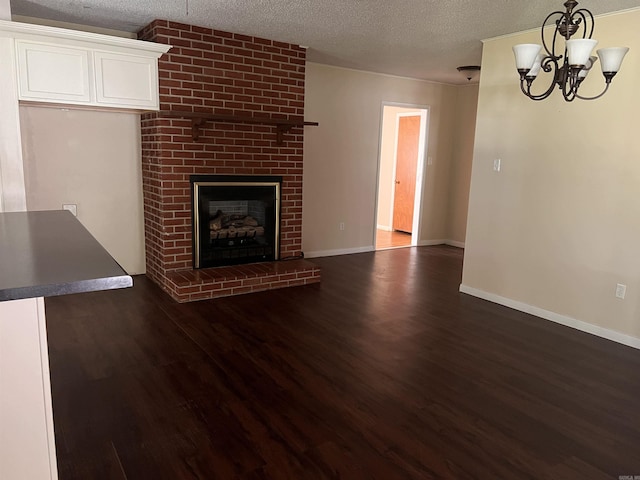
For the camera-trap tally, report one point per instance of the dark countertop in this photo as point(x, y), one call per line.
point(43, 254)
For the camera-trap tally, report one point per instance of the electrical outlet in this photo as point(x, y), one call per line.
point(72, 207)
point(621, 290)
point(341, 226)
point(497, 165)
point(429, 160)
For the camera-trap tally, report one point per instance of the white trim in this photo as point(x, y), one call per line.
point(602, 332)
point(339, 251)
point(385, 74)
point(394, 167)
point(537, 29)
point(46, 387)
point(421, 174)
point(384, 228)
point(44, 33)
point(382, 249)
point(423, 111)
point(12, 182)
point(430, 243)
point(454, 243)
point(371, 248)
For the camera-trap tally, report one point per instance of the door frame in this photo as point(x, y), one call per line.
point(422, 115)
point(421, 172)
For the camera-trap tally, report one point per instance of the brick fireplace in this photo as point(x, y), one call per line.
point(241, 80)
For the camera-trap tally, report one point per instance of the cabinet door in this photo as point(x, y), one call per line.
point(126, 80)
point(49, 73)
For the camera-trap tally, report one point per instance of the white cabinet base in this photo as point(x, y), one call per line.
point(27, 442)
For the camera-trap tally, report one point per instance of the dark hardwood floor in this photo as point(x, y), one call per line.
point(382, 371)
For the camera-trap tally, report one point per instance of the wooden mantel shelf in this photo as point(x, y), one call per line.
point(198, 119)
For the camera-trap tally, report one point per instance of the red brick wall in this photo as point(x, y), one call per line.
point(225, 74)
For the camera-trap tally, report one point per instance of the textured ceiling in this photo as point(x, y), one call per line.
point(424, 39)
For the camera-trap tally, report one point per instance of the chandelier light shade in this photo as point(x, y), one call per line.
point(611, 58)
point(587, 68)
point(526, 54)
point(568, 62)
point(579, 51)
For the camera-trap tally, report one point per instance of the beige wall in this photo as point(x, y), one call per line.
point(92, 159)
point(341, 162)
point(559, 227)
point(5, 10)
point(341, 155)
point(461, 161)
point(388, 139)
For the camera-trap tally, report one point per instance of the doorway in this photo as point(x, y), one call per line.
point(403, 145)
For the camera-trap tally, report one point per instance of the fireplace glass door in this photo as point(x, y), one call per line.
point(236, 219)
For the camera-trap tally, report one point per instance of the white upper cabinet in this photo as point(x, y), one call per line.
point(126, 80)
point(69, 67)
point(48, 73)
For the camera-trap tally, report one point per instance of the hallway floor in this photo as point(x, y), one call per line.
point(395, 239)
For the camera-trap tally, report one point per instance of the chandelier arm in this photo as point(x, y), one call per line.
point(555, 32)
point(547, 62)
point(587, 18)
point(597, 96)
point(553, 46)
point(542, 96)
point(570, 95)
point(567, 78)
point(569, 86)
point(527, 91)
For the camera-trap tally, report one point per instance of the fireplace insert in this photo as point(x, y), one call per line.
point(236, 219)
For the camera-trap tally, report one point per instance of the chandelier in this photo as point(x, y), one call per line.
point(570, 68)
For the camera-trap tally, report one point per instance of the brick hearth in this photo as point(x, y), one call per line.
point(221, 73)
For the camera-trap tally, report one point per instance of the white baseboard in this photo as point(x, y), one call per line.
point(340, 251)
point(371, 248)
point(554, 317)
point(384, 228)
point(455, 243)
point(428, 243)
